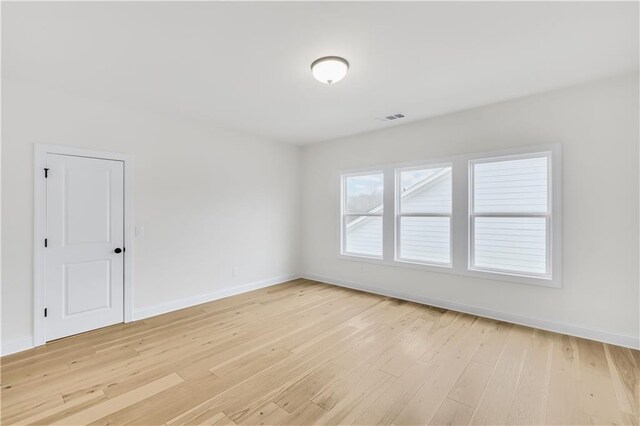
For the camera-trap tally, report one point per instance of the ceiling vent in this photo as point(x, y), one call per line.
point(392, 117)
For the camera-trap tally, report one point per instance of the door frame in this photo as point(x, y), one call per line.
point(39, 229)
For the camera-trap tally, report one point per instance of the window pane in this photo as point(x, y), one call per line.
point(511, 186)
point(511, 244)
point(364, 235)
point(364, 193)
point(425, 190)
point(425, 239)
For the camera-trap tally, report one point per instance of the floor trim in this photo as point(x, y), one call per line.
point(572, 330)
point(16, 345)
point(25, 343)
point(164, 308)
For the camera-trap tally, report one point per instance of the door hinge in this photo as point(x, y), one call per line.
point(45, 312)
point(45, 242)
point(46, 172)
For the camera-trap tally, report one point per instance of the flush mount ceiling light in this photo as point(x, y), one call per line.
point(330, 69)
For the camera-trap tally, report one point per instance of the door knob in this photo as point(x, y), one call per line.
point(118, 250)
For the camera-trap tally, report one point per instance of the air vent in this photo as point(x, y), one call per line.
point(391, 117)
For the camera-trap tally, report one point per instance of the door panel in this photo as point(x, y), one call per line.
point(88, 214)
point(85, 224)
point(87, 287)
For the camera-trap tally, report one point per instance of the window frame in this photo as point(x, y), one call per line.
point(398, 215)
point(460, 221)
point(548, 217)
point(344, 214)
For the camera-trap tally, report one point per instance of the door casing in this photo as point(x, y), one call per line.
point(39, 229)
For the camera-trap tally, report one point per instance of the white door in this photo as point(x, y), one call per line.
point(84, 243)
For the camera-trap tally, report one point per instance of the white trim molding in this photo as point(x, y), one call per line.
point(460, 241)
point(16, 345)
point(151, 311)
point(25, 343)
point(39, 229)
point(603, 336)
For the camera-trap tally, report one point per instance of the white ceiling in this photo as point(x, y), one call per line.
point(245, 66)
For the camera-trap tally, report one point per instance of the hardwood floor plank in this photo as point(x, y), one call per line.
point(304, 353)
point(452, 413)
point(13, 413)
point(490, 350)
point(269, 414)
point(409, 347)
point(344, 404)
point(563, 402)
point(342, 387)
point(447, 335)
point(219, 419)
point(237, 405)
point(397, 395)
point(566, 356)
point(302, 391)
point(624, 376)
point(243, 397)
point(471, 383)
point(495, 402)
point(597, 395)
point(308, 414)
point(449, 362)
point(529, 404)
point(161, 407)
point(105, 408)
point(63, 410)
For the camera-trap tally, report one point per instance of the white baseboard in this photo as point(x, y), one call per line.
point(152, 311)
point(24, 343)
point(572, 330)
point(16, 345)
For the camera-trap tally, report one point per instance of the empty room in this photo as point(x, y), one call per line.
point(314, 213)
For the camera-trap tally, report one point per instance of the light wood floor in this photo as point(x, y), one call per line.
point(304, 352)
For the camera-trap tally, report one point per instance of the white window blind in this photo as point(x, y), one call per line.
point(510, 215)
point(423, 219)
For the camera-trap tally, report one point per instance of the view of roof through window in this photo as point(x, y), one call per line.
point(364, 193)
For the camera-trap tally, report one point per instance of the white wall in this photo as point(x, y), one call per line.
point(598, 127)
point(209, 200)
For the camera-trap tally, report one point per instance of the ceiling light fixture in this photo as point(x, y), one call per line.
point(330, 69)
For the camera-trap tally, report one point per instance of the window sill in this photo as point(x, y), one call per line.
point(513, 277)
point(397, 263)
point(450, 269)
point(361, 257)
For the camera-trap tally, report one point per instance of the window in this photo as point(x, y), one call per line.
point(423, 220)
point(362, 210)
point(494, 215)
point(510, 214)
